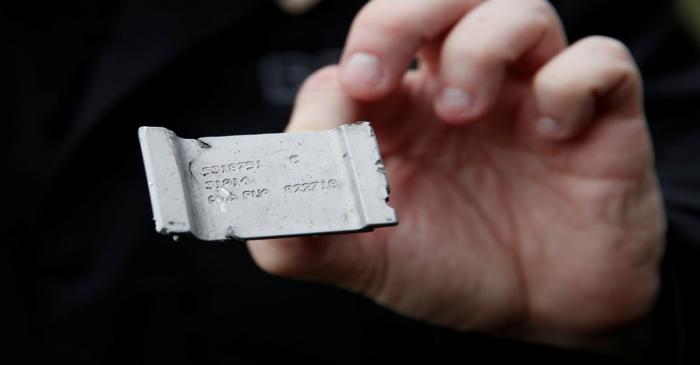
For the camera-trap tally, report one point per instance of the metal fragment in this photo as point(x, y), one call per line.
point(267, 185)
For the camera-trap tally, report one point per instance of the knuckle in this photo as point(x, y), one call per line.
point(609, 47)
point(383, 18)
point(407, 19)
point(544, 20)
point(540, 22)
point(617, 56)
point(541, 14)
point(393, 26)
point(542, 8)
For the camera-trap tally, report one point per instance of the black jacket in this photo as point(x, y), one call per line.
point(87, 280)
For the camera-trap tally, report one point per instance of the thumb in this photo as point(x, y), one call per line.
point(321, 104)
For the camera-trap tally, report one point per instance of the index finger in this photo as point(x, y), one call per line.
point(385, 37)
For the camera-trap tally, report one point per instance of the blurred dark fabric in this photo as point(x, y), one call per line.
point(86, 280)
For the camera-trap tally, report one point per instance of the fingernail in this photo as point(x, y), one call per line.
point(456, 100)
point(363, 69)
point(549, 127)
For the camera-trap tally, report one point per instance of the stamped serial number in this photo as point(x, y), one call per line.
point(316, 185)
point(241, 166)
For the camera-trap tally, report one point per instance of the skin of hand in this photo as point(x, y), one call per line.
point(521, 169)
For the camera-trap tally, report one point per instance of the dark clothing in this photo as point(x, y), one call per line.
point(86, 280)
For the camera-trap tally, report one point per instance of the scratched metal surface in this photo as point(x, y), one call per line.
point(268, 185)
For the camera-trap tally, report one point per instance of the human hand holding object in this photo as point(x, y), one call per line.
point(521, 169)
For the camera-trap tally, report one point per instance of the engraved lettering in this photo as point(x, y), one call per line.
point(240, 166)
point(227, 183)
point(316, 185)
point(255, 194)
point(222, 191)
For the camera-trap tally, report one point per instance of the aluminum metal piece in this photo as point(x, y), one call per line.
point(266, 185)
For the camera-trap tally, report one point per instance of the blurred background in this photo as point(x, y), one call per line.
point(85, 279)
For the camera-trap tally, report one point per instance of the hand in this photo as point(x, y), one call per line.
point(521, 170)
